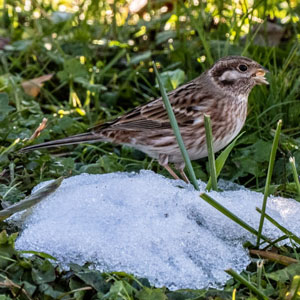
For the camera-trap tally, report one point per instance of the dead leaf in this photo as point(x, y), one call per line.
point(33, 86)
point(38, 131)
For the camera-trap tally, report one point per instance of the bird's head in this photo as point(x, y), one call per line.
point(237, 74)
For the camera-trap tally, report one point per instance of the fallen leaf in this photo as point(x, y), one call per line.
point(33, 86)
point(38, 131)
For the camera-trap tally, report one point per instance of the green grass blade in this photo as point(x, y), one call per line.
point(210, 152)
point(230, 215)
point(31, 200)
point(112, 62)
point(220, 161)
point(176, 130)
point(247, 283)
point(38, 253)
point(9, 148)
point(290, 234)
point(281, 238)
point(295, 174)
point(268, 181)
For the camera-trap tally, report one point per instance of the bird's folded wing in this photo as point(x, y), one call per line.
point(187, 105)
point(148, 117)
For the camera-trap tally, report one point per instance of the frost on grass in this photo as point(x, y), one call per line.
point(150, 226)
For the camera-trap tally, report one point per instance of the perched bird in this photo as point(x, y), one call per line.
point(220, 92)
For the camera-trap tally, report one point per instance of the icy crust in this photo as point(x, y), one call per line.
point(150, 226)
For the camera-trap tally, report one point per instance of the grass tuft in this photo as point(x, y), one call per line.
point(230, 215)
point(247, 283)
point(268, 181)
point(220, 161)
point(290, 234)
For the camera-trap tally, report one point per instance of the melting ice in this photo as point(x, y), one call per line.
point(150, 226)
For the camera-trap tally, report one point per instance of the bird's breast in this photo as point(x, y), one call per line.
point(232, 123)
point(227, 120)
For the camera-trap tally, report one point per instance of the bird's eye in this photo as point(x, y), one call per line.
point(243, 68)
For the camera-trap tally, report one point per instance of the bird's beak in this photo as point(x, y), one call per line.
point(259, 76)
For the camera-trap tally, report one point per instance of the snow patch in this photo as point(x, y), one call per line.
point(150, 226)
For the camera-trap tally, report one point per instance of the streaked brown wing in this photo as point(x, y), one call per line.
point(187, 102)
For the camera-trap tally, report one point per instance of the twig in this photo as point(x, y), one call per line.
point(284, 260)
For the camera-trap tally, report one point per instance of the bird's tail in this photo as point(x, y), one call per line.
point(75, 139)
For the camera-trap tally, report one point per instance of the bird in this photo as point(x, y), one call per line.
point(220, 92)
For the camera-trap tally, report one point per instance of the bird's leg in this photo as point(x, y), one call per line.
point(180, 167)
point(168, 168)
point(163, 161)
